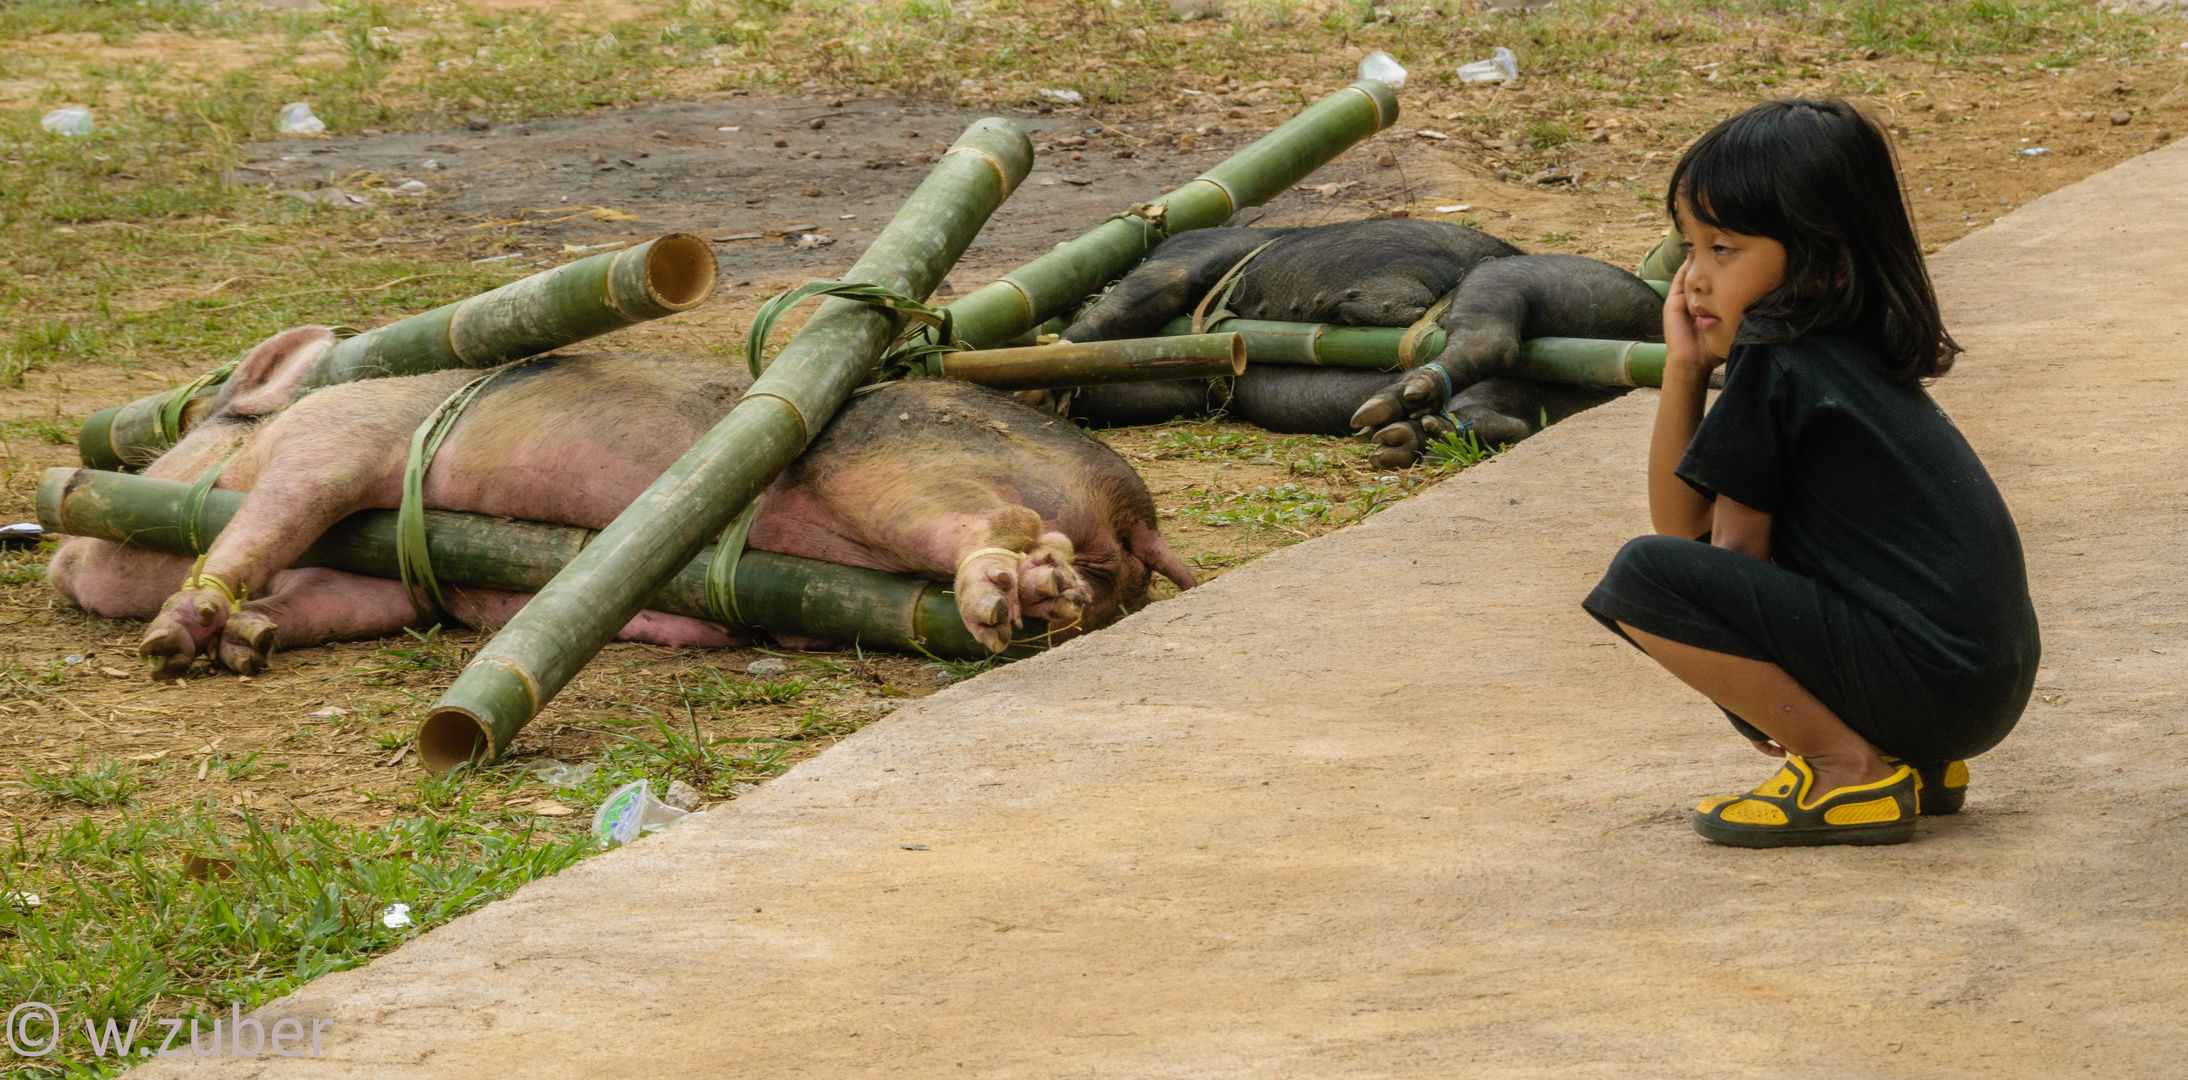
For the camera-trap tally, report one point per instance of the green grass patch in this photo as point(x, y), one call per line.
point(179, 914)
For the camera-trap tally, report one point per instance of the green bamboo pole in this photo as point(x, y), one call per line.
point(778, 593)
point(1592, 362)
point(580, 610)
point(1043, 367)
point(538, 314)
point(1374, 348)
point(1579, 361)
point(996, 312)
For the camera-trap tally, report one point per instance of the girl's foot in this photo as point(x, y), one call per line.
point(1786, 812)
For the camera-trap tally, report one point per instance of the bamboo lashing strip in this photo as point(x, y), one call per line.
point(170, 414)
point(1227, 284)
point(722, 568)
point(771, 312)
point(193, 501)
point(193, 507)
point(1411, 339)
point(411, 555)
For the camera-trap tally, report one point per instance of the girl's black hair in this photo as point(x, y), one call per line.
point(1819, 177)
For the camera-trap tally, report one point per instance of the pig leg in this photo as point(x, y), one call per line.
point(1173, 278)
point(1002, 560)
point(313, 606)
point(1007, 569)
point(315, 464)
point(1499, 305)
point(112, 581)
point(1133, 404)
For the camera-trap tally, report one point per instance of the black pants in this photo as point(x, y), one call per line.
point(1909, 704)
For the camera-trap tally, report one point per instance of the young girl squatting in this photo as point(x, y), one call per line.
point(1832, 564)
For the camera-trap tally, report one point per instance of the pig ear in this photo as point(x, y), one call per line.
point(267, 380)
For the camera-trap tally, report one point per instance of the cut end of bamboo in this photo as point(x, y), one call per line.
point(680, 271)
point(95, 440)
point(1238, 354)
point(451, 737)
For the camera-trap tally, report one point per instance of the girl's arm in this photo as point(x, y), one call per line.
point(1739, 527)
point(1675, 508)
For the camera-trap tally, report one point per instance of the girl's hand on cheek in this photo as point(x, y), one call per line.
point(1682, 341)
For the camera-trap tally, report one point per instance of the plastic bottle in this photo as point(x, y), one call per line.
point(1383, 68)
point(1503, 67)
point(73, 120)
point(296, 119)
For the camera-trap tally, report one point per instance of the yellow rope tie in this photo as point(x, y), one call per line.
point(1015, 556)
point(199, 579)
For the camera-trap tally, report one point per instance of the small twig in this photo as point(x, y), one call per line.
point(385, 285)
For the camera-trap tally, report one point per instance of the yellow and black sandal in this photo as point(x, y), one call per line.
point(1781, 814)
point(1944, 787)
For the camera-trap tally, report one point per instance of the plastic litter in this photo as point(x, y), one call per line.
point(73, 120)
point(1383, 68)
point(555, 774)
point(2035, 150)
point(1065, 97)
point(23, 901)
point(412, 186)
point(22, 534)
point(329, 713)
point(632, 812)
point(396, 916)
point(1502, 67)
point(296, 119)
point(74, 658)
point(769, 666)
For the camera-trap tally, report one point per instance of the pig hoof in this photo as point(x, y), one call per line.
point(1415, 392)
point(171, 651)
point(188, 623)
point(987, 594)
point(1398, 445)
point(246, 643)
point(1048, 588)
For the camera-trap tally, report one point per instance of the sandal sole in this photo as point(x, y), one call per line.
point(1889, 832)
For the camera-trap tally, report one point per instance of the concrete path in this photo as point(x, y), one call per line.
point(1388, 804)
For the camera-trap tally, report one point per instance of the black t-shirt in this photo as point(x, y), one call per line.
point(1873, 492)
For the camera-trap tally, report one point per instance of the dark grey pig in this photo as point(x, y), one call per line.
point(1384, 272)
point(1022, 512)
point(1498, 306)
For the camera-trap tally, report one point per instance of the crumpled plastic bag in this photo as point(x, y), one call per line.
point(74, 120)
point(296, 119)
point(1502, 67)
point(1383, 68)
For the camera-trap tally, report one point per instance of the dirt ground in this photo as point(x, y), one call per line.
point(527, 193)
point(1255, 832)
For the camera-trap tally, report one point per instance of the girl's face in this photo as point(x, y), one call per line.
point(1726, 271)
